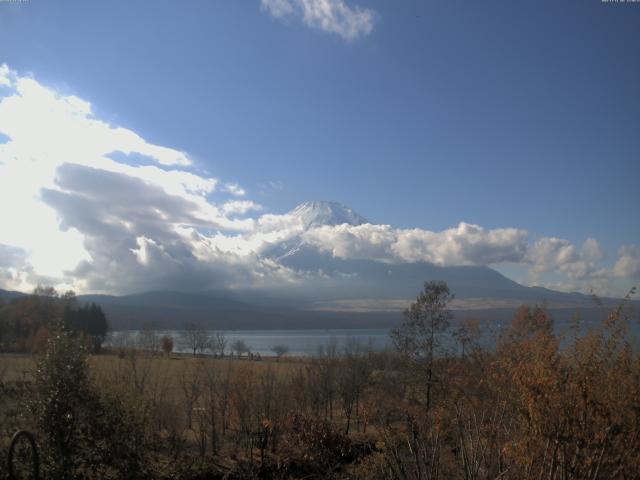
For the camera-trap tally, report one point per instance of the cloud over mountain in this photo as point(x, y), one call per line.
point(80, 211)
point(464, 245)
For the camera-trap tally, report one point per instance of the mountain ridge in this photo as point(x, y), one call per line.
point(318, 213)
point(334, 290)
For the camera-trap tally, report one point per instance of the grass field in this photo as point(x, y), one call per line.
point(107, 368)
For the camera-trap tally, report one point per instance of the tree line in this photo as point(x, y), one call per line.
point(27, 322)
point(194, 339)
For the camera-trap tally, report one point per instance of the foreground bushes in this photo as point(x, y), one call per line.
point(538, 405)
point(85, 432)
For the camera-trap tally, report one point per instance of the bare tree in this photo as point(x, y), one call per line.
point(190, 381)
point(240, 347)
point(419, 336)
point(321, 379)
point(280, 350)
point(353, 376)
point(121, 341)
point(218, 344)
point(467, 334)
point(148, 340)
point(194, 338)
point(274, 401)
point(244, 392)
point(224, 397)
point(210, 404)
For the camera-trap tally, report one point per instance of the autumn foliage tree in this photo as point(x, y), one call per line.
point(577, 408)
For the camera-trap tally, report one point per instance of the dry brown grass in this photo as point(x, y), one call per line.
point(18, 366)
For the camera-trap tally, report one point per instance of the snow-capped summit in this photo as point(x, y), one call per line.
point(319, 213)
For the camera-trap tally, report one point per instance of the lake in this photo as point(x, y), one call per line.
point(308, 342)
point(299, 342)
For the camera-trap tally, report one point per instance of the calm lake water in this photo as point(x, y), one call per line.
point(309, 342)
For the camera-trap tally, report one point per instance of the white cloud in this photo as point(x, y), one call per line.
point(234, 189)
point(466, 244)
point(347, 241)
point(550, 254)
point(56, 123)
point(5, 76)
point(332, 16)
point(276, 184)
point(278, 8)
point(270, 187)
point(78, 211)
point(142, 252)
point(592, 250)
point(239, 207)
point(628, 263)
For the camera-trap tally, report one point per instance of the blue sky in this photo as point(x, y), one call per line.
point(425, 114)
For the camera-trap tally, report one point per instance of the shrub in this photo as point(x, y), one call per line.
point(167, 344)
point(83, 434)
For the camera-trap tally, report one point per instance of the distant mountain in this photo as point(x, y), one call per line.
point(320, 213)
point(338, 293)
point(172, 299)
point(342, 279)
point(222, 310)
point(169, 310)
point(172, 309)
point(371, 279)
point(8, 295)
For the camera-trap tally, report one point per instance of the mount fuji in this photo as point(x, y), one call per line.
point(345, 279)
point(321, 213)
point(338, 292)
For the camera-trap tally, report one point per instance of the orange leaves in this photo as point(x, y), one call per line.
point(578, 407)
